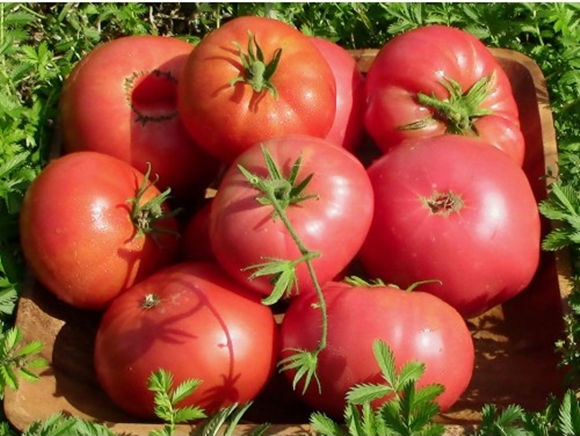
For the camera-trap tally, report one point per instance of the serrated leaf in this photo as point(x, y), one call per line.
point(184, 389)
point(390, 416)
point(369, 422)
point(236, 415)
point(366, 392)
point(409, 373)
point(305, 363)
point(31, 347)
point(569, 415)
point(11, 338)
point(323, 425)
point(353, 421)
point(386, 361)
point(8, 376)
point(87, 428)
point(428, 393)
point(213, 425)
point(560, 238)
point(188, 413)
point(160, 381)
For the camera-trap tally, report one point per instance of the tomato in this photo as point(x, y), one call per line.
point(121, 99)
point(435, 80)
point(78, 234)
point(192, 320)
point(454, 209)
point(417, 326)
point(244, 232)
point(195, 244)
point(233, 95)
point(348, 127)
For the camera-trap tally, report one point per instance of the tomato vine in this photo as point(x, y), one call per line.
point(280, 192)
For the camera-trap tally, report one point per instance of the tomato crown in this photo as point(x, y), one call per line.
point(460, 109)
point(145, 216)
point(256, 72)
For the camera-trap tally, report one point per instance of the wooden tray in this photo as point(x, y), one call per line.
point(515, 358)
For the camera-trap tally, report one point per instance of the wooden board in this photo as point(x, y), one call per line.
point(515, 358)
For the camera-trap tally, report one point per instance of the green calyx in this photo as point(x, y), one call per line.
point(256, 71)
point(145, 216)
point(460, 109)
point(357, 281)
point(285, 189)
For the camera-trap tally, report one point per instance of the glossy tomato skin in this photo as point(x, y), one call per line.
point(244, 232)
point(348, 127)
point(77, 234)
point(417, 326)
point(121, 99)
point(204, 326)
point(482, 242)
point(417, 62)
point(226, 119)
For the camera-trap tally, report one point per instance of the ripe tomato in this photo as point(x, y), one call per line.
point(454, 209)
point(244, 232)
point(435, 80)
point(193, 321)
point(233, 95)
point(121, 99)
point(417, 326)
point(348, 127)
point(78, 234)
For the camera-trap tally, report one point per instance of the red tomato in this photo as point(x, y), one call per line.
point(244, 232)
point(121, 99)
point(348, 128)
point(408, 91)
point(78, 235)
point(227, 106)
point(453, 209)
point(193, 321)
point(195, 244)
point(417, 326)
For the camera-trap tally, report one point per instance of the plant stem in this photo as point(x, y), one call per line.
point(270, 193)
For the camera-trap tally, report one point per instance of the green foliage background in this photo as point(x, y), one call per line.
point(40, 43)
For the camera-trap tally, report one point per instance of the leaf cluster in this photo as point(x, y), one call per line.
point(407, 409)
point(18, 360)
point(559, 418)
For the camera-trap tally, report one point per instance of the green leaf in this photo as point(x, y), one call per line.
point(229, 416)
point(305, 363)
point(386, 361)
point(188, 413)
point(183, 390)
point(569, 415)
point(410, 373)
point(166, 399)
point(506, 423)
point(366, 392)
point(283, 273)
point(325, 426)
point(353, 421)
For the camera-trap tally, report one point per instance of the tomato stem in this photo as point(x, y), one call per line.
point(144, 216)
point(280, 195)
point(255, 70)
point(460, 109)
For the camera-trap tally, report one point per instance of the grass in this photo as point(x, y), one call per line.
point(40, 43)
